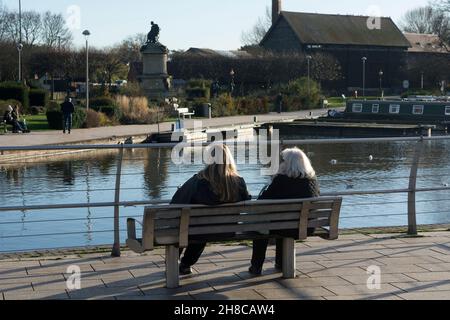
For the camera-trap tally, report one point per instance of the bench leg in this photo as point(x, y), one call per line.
point(172, 269)
point(289, 259)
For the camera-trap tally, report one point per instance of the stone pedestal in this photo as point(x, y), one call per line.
point(154, 79)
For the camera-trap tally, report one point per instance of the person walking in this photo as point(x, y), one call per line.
point(280, 102)
point(67, 109)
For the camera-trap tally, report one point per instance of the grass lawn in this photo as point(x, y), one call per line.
point(37, 123)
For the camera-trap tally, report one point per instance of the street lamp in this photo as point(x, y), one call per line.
point(20, 48)
point(308, 58)
point(86, 33)
point(364, 60)
point(232, 85)
point(20, 45)
point(422, 80)
point(381, 73)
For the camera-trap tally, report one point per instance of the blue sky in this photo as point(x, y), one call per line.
point(216, 24)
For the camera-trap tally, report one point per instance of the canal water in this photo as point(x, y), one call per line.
point(151, 175)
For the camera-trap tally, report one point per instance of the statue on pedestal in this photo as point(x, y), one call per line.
point(153, 35)
point(154, 79)
point(153, 39)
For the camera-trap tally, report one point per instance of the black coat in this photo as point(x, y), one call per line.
point(8, 117)
point(199, 191)
point(67, 107)
point(283, 187)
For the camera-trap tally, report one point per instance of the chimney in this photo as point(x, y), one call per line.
point(276, 10)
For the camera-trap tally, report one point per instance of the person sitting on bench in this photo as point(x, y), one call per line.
point(296, 179)
point(219, 183)
point(11, 118)
point(21, 124)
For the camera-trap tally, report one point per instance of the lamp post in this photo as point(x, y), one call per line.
point(20, 48)
point(381, 73)
point(86, 33)
point(20, 45)
point(232, 84)
point(422, 80)
point(364, 60)
point(308, 58)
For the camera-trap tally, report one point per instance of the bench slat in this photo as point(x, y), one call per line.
point(232, 210)
point(211, 220)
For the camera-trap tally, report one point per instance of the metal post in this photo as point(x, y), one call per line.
point(20, 46)
point(116, 247)
point(364, 59)
point(412, 219)
point(87, 74)
point(422, 81)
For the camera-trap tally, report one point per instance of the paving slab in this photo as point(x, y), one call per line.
point(424, 286)
point(433, 295)
point(221, 274)
point(306, 293)
point(351, 290)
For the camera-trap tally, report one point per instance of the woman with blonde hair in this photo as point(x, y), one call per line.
point(296, 179)
point(217, 184)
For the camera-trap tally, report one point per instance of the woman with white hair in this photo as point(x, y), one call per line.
point(217, 184)
point(296, 179)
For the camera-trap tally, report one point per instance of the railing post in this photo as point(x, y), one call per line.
point(412, 218)
point(116, 247)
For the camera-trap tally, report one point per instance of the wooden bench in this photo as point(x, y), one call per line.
point(184, 112)
point(4, 125)
point(175, 226)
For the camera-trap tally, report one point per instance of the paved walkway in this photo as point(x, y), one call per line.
point(411, 268)
point(105, 133)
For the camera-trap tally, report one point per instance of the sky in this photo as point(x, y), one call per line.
point(215, 24)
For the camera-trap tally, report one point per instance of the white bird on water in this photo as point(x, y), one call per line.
point(334, 162)
point(371, 158)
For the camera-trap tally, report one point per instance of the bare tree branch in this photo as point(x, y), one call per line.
point(54, 30)
point(259, 30)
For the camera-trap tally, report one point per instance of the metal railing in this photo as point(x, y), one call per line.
point(411, 190)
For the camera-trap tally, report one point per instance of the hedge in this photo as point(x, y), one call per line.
point(15, 91)
point(38, 98)
point(55, 119)
point(193, 93)
point(101, 102)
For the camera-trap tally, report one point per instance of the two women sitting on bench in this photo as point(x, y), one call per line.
point(12, 117)
point(220, 183)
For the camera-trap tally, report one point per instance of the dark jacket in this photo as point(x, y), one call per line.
point(199, 191)
point(14, 115)
point(67, 107)
point(8, 117)
point(283, 187)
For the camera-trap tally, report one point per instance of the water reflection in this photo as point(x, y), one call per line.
point(150, 175)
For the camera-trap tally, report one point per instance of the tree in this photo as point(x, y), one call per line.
point(31, 27)
point(55, 33)
point(12, 27)
point(428, 20)
point(3, 12)
point(110, 66)
point(254, 36)
point(129, 49)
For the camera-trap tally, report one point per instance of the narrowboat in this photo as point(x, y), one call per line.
point(401, 111)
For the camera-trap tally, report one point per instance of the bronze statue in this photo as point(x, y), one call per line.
point(153, 35)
